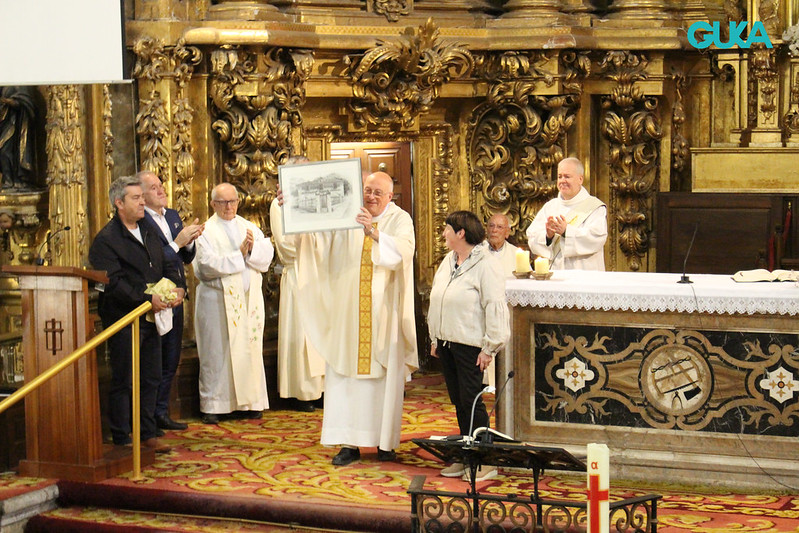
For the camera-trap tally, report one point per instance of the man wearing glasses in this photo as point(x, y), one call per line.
point(356, 300)
point(229, 315)
point(497, 232)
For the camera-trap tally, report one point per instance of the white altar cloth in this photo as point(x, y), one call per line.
point(650, 291)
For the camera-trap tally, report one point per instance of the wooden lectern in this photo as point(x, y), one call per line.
point(62, 417)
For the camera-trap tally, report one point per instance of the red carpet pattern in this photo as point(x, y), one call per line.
point(280, 458)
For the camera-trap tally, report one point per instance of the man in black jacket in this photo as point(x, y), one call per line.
point(132, 256)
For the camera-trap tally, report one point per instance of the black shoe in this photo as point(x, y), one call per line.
point(253, 415)
point(122, 441)
point(164, 422)
point(159, 432)
point(210, 418)
point(346, 456)
point(319, 403)
point(302, 406)
point(390, 455)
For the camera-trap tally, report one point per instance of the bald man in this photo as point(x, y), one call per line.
point(356, 299)
point(229, 314)
point(572, 228)
point(497, 232)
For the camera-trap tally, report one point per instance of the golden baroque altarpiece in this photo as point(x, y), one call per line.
point(490, 94)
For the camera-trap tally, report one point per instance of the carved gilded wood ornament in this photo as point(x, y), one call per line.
point(395, 83)
point(256, 100)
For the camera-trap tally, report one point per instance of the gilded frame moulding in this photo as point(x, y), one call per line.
point(66, 173)
point(630, 123)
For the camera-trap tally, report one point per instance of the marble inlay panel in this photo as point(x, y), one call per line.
point(711, 381)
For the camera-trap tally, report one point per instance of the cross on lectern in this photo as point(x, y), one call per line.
point(52, 338)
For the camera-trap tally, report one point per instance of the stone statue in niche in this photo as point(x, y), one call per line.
point(18, 137)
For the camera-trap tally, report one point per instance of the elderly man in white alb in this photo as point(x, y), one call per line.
point(572, 228)
point(356, 300)
point(497, 233)
point(229, 311)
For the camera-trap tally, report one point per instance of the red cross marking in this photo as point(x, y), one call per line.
point(595, 497)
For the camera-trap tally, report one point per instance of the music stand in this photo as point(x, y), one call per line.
point(475, 453)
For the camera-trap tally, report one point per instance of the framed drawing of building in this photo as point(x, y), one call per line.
point(321, 196)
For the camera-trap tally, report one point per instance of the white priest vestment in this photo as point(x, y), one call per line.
point(583, 246)
point(363, 395)
point(229, 316)
point(300, 368)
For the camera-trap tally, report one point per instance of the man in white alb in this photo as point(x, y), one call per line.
point(229, 311)
point(356, 300)
point(300, 368)
point(572, 228)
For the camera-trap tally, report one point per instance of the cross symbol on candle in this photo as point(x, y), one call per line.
point(595, 497)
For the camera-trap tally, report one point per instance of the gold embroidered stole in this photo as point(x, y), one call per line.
point(365, 308)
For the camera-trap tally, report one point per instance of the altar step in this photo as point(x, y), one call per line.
point(87, 507)
point(91, 519)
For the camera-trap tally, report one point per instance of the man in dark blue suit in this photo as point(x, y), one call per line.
point(178, 244)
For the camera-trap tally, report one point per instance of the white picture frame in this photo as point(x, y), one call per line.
point(321, 196)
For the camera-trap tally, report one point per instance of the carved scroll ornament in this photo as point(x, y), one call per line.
point(256, 101)
point(166, 133)
point(516, 137)
point(394, 83)
point(391, 9)
point(631, 125)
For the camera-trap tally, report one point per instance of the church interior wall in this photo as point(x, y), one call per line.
point(489, 94)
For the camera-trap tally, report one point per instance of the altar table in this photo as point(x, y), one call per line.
point(690, 382)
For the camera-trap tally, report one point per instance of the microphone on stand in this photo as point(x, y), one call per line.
point(488, 388)
point(499, 395)
point(684, 278)
point(39, 258)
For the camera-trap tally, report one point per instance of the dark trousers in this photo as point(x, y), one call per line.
point(464, 382)
point(171, 344)
point(121, 394)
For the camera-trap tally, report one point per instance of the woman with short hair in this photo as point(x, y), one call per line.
point(468, 322)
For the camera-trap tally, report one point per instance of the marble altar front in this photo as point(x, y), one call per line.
point(684, 382)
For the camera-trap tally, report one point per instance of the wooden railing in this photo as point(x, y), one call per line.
point(130, 318)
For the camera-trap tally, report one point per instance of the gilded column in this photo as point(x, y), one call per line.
point(66, 175)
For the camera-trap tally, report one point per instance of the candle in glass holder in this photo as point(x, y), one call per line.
point(522, 261)
point(541, 265)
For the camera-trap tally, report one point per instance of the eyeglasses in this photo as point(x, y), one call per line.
point(377, 193)
point(226, 203)
point(496, 226)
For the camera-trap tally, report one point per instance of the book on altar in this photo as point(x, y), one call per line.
point(761, 274)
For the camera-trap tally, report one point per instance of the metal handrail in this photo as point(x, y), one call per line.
point(130, 318)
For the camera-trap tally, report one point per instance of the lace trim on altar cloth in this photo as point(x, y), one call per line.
point(622, 291)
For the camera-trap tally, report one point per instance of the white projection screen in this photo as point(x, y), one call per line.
point(51, 42)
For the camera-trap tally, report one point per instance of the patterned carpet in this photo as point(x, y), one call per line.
point(278, 459)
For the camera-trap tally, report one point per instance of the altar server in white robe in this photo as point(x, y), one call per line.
point(572, 228)
point(356, 300)
point(229, 311)
point(300, 368)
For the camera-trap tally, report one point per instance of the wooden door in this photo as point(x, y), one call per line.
point(390, 157)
